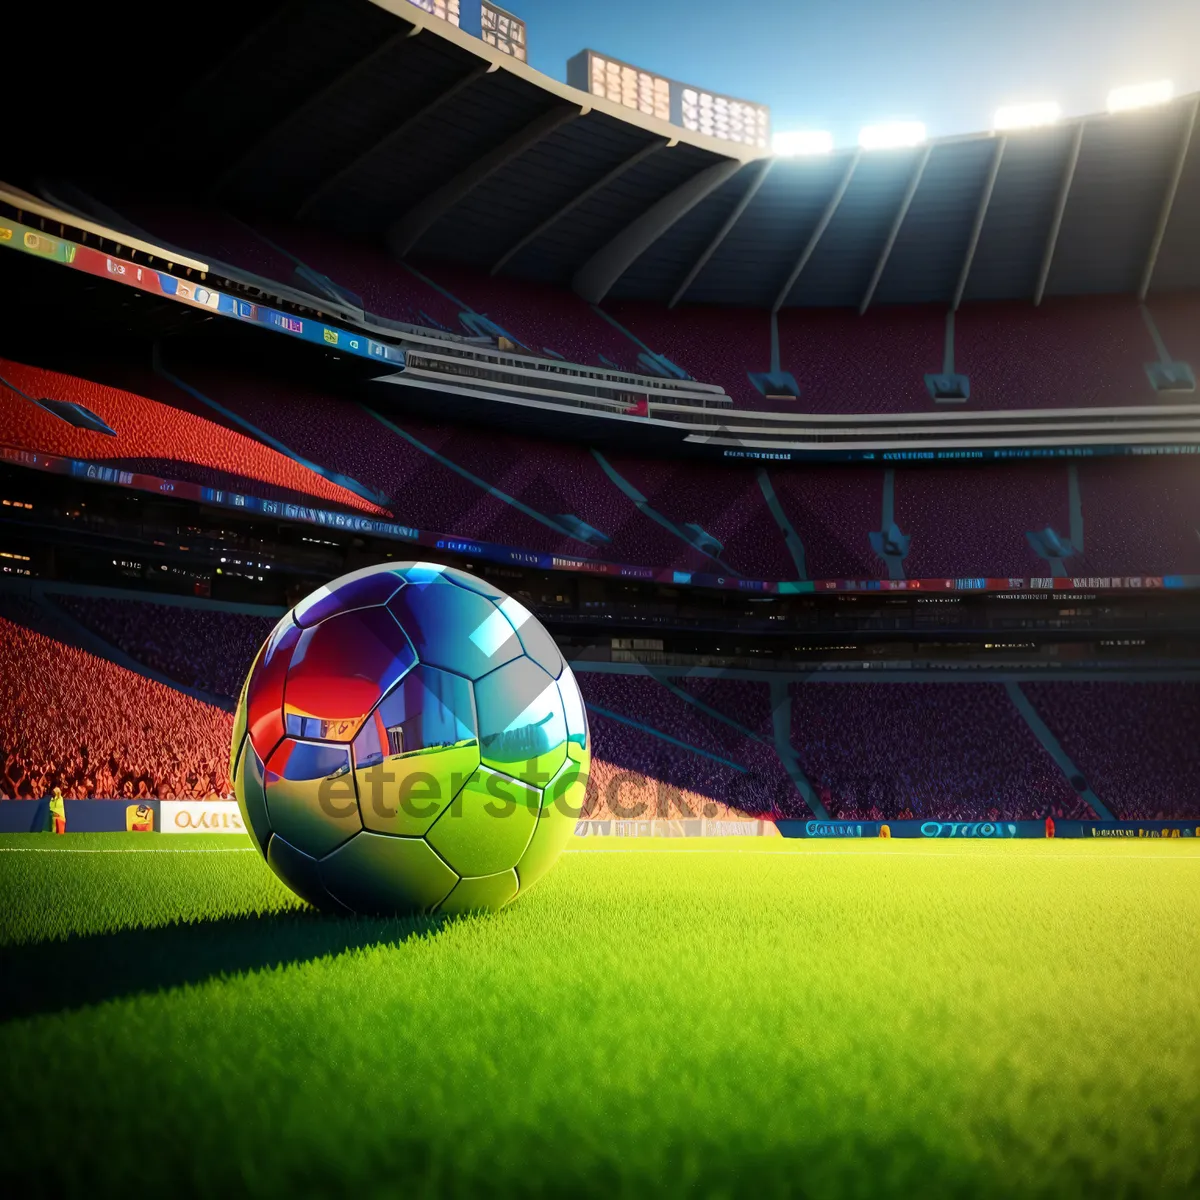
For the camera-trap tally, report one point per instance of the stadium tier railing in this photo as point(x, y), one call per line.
point(700, 412)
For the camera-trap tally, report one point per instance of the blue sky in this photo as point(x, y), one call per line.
point(840, 64)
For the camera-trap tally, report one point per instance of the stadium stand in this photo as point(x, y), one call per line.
point(173, 439)
point(210, 650)
point(833, 512)
point(654, 732)
point(211, 234)
point(875, 363)
point(71, 720)
point(713, 345)
point(1134, 743)
point(1081, 353)
point(972, 520)
point(381, 285)
point(675, 747)
point(1144, 511)
point(951, 751)
point(1138, 516)
point(547, 321)
point(725, 505)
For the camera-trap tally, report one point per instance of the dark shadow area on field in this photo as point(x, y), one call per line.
point(56, 976)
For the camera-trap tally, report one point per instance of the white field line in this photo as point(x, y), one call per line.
point(887, 853)
point(629, 850)
point(148, 850)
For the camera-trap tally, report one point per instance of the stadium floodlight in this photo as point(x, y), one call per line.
point(793, 143)
point(1140, 95)
point(1026, 116)
point(891, 134)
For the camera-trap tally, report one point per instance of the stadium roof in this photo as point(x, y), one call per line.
point(375, 119)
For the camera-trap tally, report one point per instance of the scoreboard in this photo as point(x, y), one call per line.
point(692, 108)
point(503, 30)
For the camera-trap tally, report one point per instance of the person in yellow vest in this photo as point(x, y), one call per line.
point(885, 831)
point(58, 812)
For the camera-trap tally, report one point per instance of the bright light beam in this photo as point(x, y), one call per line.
point(1026, 116)
point(795, 143)
point(891, 134)
point(1140, 95)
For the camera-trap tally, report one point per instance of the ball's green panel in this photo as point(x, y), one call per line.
point(374, 872)
point(562, 802)
point(578, 746)
point(301, 873)
point(415, 751)
point(310, 795)
point(481, 892)
point(522, 730)
point(251, 796)
point(488, 826)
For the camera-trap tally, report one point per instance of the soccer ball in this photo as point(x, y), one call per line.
point(410, 740)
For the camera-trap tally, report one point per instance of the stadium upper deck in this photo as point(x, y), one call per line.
point(370, 117)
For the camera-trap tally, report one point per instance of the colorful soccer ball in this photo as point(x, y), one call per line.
point(409, 739)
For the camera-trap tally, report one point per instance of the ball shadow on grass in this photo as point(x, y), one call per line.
point(60, 975)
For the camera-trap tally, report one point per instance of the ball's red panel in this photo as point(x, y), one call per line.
point(264, 691)
point(340, 669)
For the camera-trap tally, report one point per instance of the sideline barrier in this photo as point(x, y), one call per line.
point(989, 829)
point(685, 827)
point(200, 816)
point(83, 816)
point(223, 816)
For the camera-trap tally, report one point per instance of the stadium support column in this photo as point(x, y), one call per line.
point(1164, 217)
point(1051, 745)
point(985, 200)
point(536, 232)
point(1060, 207)
point(830, 208)
point(781, 727)
point(894, 232)
point(755, 183)
point(595, 278)
point(1166, 376)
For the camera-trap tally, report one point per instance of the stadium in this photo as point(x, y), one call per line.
point(844, 500)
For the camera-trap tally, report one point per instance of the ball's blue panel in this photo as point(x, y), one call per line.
point(481, 893)
point(421, 574)
point(249, 788)
point(359, 589)
point(537, 642)
point(455, 629)
point(310, 795)
point(473, 583)
point(340, 669)
point(488, 826)
point(301, 873)
point(578, 741)
point(375, 873)
point(522, 730)
point(415, 751)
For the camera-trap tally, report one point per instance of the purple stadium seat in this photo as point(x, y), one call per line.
point(1134, 743)
point(1080, 353)
point(946, 751)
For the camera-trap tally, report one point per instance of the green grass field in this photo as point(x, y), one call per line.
point(718, 1018)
